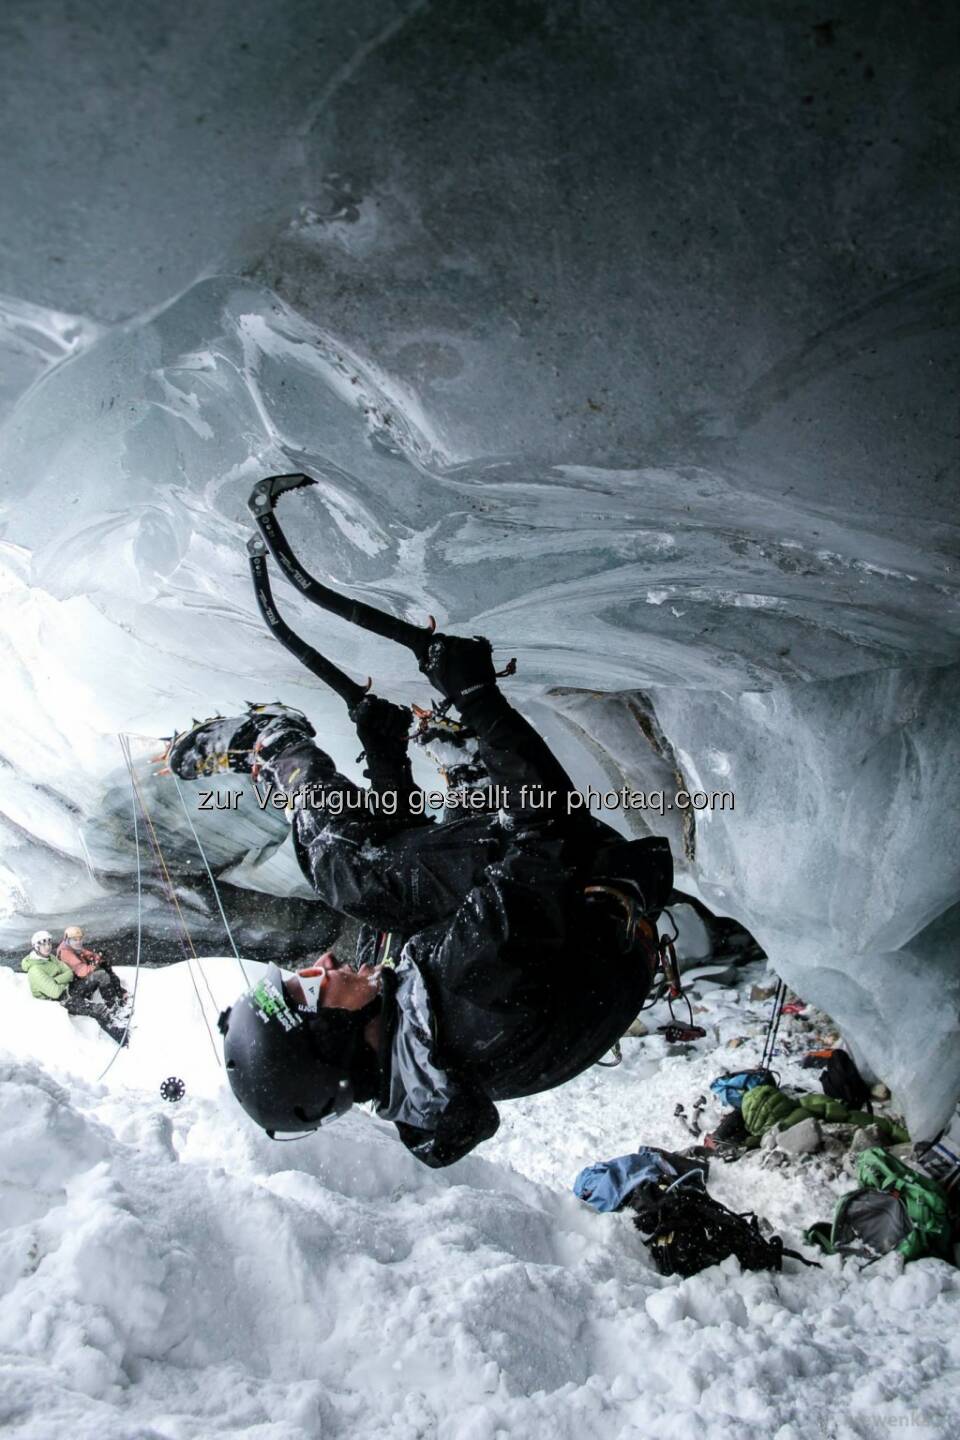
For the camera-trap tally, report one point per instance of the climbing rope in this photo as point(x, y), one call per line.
point(186, 939)
point(213, 883)
point(136, 974)
point(184, 936)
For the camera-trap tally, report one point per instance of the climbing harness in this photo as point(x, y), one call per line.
point(661, 955)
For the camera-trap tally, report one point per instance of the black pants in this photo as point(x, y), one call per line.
point(82, 999)
point(100, 982)
point(404, 873)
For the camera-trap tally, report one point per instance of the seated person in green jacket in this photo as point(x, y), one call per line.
point(52, 979)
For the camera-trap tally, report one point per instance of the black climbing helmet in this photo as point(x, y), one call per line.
point(294, 1070)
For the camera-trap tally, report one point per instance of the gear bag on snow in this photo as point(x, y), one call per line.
point(842, 1081)
point(731, 1087)
point(608, 1185)
point(686, 1231)
point(895, 1209)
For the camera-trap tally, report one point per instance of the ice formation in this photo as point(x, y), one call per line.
point(650, 383)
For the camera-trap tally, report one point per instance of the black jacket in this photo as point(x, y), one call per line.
point(527, 986)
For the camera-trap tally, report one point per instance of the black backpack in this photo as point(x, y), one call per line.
point(842, 1081)
point(686, 1230)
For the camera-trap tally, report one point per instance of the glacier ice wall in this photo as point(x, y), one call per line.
point(628, 337)
point(839, 852)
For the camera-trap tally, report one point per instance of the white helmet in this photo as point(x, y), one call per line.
point(39, 936)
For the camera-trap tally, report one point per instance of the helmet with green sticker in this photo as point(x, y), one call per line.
point(292, 1070)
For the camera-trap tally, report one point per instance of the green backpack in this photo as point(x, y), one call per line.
point(895, 1209)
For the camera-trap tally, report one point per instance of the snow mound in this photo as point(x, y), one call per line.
point(173, 1030)
point(168, 1273)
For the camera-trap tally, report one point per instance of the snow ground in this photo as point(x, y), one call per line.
point(168, 1273)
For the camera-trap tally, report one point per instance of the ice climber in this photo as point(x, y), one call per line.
point(500, 954)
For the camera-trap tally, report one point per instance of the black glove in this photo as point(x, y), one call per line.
point(459, 667)
point(380, 724)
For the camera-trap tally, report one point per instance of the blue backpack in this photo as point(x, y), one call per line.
point(607, 1185)
point(731, 1088)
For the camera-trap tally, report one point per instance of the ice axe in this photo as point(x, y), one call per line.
point(262, 503)
point(339, 681)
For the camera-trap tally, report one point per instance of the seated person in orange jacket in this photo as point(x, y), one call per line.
point(94, 975)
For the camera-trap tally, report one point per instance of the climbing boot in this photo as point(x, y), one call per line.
point(237, 745)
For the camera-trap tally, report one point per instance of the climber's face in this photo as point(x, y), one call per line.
point(328, 984)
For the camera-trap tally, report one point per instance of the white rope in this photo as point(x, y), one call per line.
point(213, 883)
point(166, 879)
point(136, 973)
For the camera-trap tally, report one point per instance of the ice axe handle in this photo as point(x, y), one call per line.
point(262, 501)
point(349, 690)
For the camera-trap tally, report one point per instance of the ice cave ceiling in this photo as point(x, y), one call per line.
point(623, 332)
